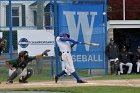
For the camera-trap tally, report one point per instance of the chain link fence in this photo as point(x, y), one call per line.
point(25, 15)
point(31, 15)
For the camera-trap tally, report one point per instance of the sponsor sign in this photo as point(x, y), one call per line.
point(84, 23)
point(36, 41)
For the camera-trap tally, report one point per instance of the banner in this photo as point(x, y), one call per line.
point(36, 41)
point(85, 23)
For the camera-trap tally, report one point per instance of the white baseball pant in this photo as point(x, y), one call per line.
point(138, 66)
point(127, 64)
point(22, 73)
point(68, 62)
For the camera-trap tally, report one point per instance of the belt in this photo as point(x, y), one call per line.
point(66, 52)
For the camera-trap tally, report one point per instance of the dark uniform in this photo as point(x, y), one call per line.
point(112, 51)
point(16, 63)
point(18, 67)
point(124, 60)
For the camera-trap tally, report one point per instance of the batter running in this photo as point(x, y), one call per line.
point(65, 48)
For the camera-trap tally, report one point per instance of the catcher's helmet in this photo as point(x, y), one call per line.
point(23, 53)
point(63, 34)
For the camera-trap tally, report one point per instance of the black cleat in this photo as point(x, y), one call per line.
point(81, 81)
point(22, 81)
point(10, 82)
point(56, 78)
point(121, 74)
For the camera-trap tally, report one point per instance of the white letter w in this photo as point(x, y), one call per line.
point(83, 21)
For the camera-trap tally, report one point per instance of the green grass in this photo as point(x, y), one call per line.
point(117, 77)
point(91, 89)
point(45, 76)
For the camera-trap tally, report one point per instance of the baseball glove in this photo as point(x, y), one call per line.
point(45, 53)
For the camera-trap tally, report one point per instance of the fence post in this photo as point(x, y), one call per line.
point(56, 33)
point(105, 27)
point(10, 27)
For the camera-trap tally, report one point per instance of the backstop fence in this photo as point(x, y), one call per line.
point(84, 20)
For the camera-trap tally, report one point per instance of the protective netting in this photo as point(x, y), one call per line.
point(36, 15)
point(24, 15)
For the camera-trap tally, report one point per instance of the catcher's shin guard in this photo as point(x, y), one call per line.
point(24, 78)
point(13, 76)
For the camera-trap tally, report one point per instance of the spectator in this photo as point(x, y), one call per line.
point(112, 51)
point(3, 43)
point(125, 61)
point(137, 56)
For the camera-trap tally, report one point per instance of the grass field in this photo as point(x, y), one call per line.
point(45, 76)
point(85, 89)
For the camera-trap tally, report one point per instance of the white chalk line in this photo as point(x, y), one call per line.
point(48, 84)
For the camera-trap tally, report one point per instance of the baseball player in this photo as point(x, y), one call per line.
point(124, 60)
point(18, 66)
point(138, 59)
point(112, 51)
point(63, 41)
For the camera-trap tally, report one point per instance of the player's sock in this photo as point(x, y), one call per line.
point(75, 75)
point(62, 73)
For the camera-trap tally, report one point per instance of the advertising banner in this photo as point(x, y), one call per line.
point(36, 41)
point(84, 23)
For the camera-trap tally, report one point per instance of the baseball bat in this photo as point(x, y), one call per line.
point(90, 44)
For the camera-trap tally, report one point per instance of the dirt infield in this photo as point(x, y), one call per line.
point(72, 83)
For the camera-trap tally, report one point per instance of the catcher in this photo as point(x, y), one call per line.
point(18, 66)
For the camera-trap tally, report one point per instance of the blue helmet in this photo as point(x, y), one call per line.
point(63, 34)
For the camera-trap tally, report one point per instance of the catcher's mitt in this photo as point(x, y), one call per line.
point(45, 53)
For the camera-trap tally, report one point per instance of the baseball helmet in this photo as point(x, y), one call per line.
point(23, 53)
point(63, 34)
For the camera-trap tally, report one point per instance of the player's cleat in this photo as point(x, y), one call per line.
point(81, 81)
point(65, 75)
point(56, 78)
point(70, 75)
point(10, 82)
point(21, 81)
